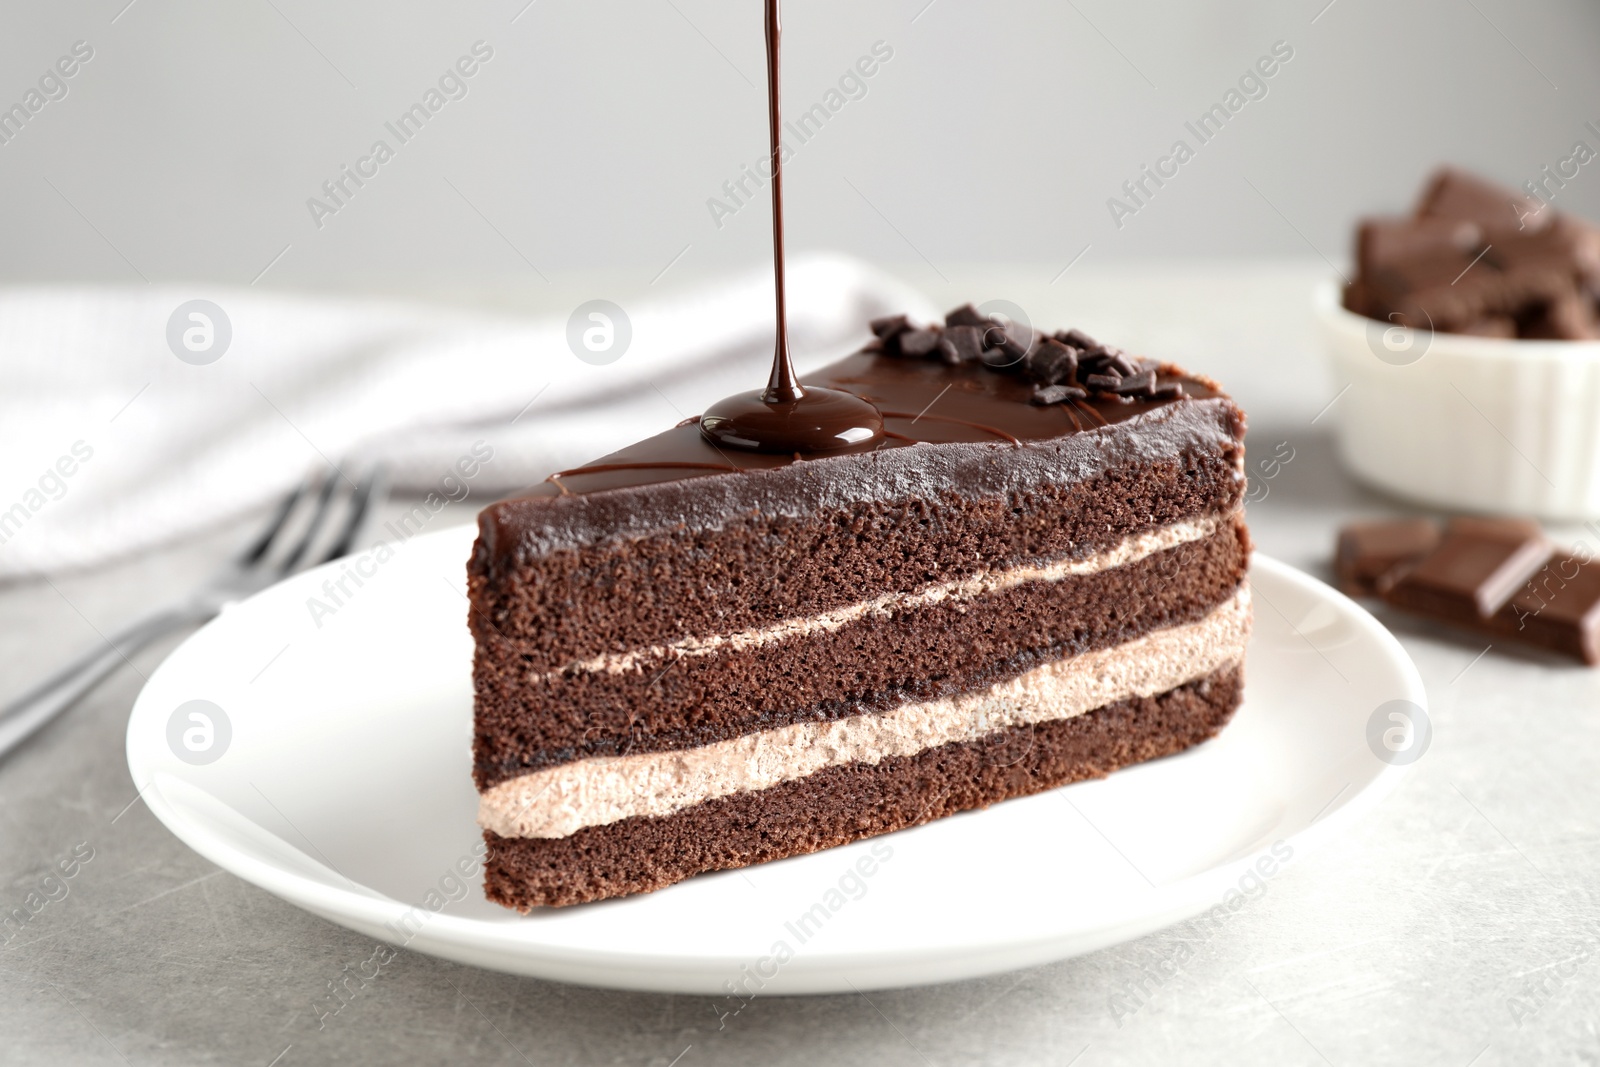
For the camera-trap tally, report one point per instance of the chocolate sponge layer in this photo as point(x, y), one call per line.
point(845, 804)
point(565, 578)
point(529, 720)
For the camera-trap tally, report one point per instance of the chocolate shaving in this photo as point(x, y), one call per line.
point(1139, 384)
point(1052, 362)
point(1045, 395)
point(1069, 366)
point(919, 343)
point(967, 341)
point(891, 325)
point(967, 315)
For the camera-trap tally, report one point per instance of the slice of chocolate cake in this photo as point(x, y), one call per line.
point(693, 658)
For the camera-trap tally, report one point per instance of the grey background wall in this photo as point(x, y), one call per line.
point(189, 145)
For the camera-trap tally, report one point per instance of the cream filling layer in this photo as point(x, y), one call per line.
point(983, 583)
point(560, 801)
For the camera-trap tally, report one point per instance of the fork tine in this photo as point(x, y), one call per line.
point(257, 549)
point(324, 505)
point(371, 489)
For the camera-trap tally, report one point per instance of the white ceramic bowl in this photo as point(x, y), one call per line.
point(1467, 423)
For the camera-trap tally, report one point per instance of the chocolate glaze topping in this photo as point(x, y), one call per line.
point(923, 401)
point(786, 417)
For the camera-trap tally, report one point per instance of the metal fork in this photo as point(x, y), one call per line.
point(263, 561)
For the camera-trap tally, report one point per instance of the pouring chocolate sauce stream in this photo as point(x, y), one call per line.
point(786, 416)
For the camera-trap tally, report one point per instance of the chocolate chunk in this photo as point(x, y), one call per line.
point(1570, 317)
point(1541, 598)
point(1112, 362)
point(890, 325)
point(1568, 246)
point(1015, 348)
point(1499, 528)
point(1491, 326)
point(1139, 384)
point(1000, 359)
point(1455, 194)
point(1558, 608)
point(1014, 339)
point(967, 315)
point(1052, 362)
point(1045, 395)
point(1483, 293)
point(1372, 556)
point(1480, 259)
point(1478, 566)
point(1121, 363)
point(967, 341)
point(919, 344)
point(1398, 256)
point(1079, 340)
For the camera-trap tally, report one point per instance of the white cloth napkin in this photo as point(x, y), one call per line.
point(109, 443)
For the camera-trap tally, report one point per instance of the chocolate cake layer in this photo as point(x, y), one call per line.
point(564, 799)
point(942, 646)
point(713, 551)
point(845, 804)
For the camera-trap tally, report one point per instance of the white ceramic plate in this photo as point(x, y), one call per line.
point(343, 786)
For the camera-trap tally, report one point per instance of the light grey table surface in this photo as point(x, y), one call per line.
point(1456, 925)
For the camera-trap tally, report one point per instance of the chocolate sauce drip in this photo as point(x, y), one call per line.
point(782, 386)
point(787, 417)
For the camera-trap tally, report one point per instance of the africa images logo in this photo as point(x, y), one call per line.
point(199, 332)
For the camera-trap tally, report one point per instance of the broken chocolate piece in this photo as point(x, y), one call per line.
point(917, 344)
point(1372, 556)
point(1080, 340)
point(1504, 529)
point(1045, 395)
point(1052, 362)
point(1058, 370)
point(1567, 318)
point(1553, 603)
point(1478, 566)
point(1492, 326)
point(967, 341)
point(1399, 256)
point(1014, 339)
point(1139, 384)
point(1480, 259)
point(1558, 609)
point(1456, 194)
point(967, 315)
point(890, 325)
